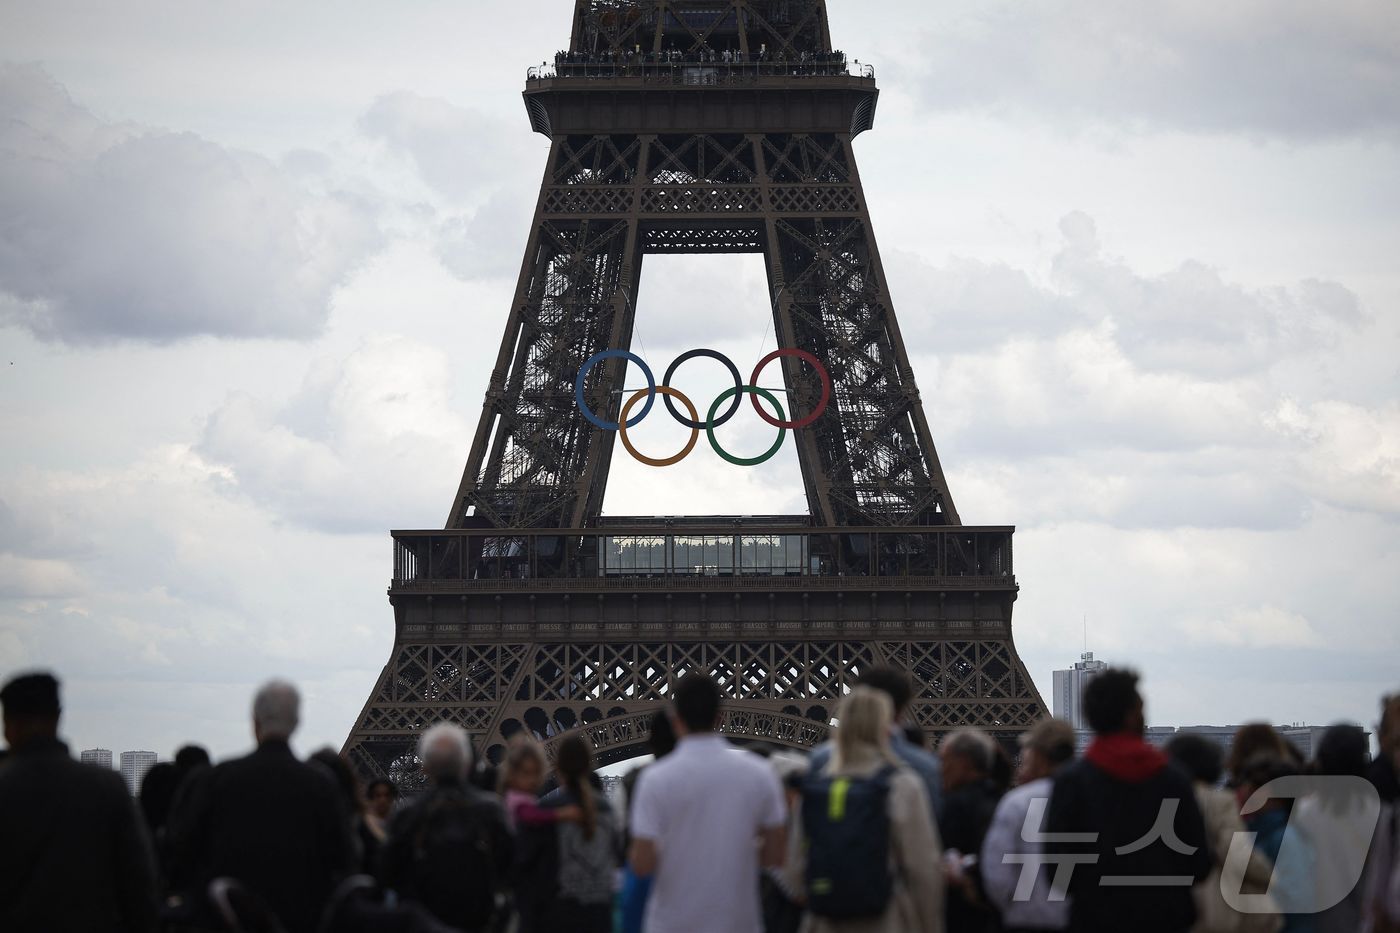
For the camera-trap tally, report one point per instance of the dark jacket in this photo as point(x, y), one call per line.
point(74, 854)
point(1117, 793)
point(967, 813)
point(445, 848)
point(272, 822)
point(1383, 777)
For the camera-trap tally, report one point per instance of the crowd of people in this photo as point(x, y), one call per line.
point(872, 832)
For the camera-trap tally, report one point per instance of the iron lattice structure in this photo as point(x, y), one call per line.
point(693, 127)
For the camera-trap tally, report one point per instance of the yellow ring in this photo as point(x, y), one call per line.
point(658, 461)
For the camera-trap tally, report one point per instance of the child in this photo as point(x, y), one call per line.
point(521, 777)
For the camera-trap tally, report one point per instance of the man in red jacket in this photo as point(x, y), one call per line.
point(1128, 822)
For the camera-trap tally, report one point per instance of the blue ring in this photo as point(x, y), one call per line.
point(614, 354)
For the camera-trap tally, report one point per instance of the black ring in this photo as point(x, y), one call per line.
point(690, 355)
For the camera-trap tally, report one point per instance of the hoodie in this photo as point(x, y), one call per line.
point(1148, 838)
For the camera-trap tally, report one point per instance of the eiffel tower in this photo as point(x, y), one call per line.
point(695, 126)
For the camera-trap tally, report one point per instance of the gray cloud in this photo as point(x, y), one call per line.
point(368, 443)
point(1189, 319)
point(1286, 68)
point(1345, 454)
point(458, 151)
point(1135, 490)
point(118, 231)
point(1099, 393)
point(968, 304)
point(191, 594)
point(488, 243)
point(480, 171)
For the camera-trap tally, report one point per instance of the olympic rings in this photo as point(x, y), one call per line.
point(710, 430)
point(821, 403)
point(713, 418)
point(670, 393)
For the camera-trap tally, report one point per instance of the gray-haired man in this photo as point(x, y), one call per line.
point(450, 850)
point(268, 820)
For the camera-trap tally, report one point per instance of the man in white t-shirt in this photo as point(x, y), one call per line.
point(705, 819)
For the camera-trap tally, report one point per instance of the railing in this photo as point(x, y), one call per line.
point(698, 73)
point(658, 556)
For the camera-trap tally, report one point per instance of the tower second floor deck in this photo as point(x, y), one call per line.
point(762, 553)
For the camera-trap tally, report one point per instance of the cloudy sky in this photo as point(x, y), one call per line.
point(255, 259)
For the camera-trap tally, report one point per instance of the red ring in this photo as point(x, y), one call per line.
point(821, 403)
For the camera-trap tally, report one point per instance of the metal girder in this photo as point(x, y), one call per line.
point(782, 691)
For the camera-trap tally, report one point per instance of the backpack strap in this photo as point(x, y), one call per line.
point(884, 778)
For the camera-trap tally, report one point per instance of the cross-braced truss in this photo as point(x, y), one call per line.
point(779, 691)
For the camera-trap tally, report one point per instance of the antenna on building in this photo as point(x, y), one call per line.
point(1086, 633)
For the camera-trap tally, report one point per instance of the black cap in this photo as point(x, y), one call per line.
point(31, 695)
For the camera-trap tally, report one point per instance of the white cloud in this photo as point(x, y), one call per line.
point(1088, 390)
point(1190, 319)
point(1288, 68)
point(1255, 627)
point(489, 242)
point(481, 177)
point(458, 151)
point(1211, 489)
point(369, 441)
point(119, 231)
point(1346, 454)
point(1079, 393)
point(188, 599)
point(29, 577)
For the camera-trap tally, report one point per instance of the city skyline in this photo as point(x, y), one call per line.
point(1155, 329)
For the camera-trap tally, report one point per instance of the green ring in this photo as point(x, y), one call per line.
point(710, 426)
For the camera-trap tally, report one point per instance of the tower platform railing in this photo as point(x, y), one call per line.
point(698, 72)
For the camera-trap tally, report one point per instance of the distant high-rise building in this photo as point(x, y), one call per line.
point(102, 757)
point(1069, 689)
point(134, 768)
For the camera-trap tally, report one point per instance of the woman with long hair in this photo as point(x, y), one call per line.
point(862, 760)
point(536, 869)
point(589, 849)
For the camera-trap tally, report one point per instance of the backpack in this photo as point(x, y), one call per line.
point(455, 872)
point(847, 827)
